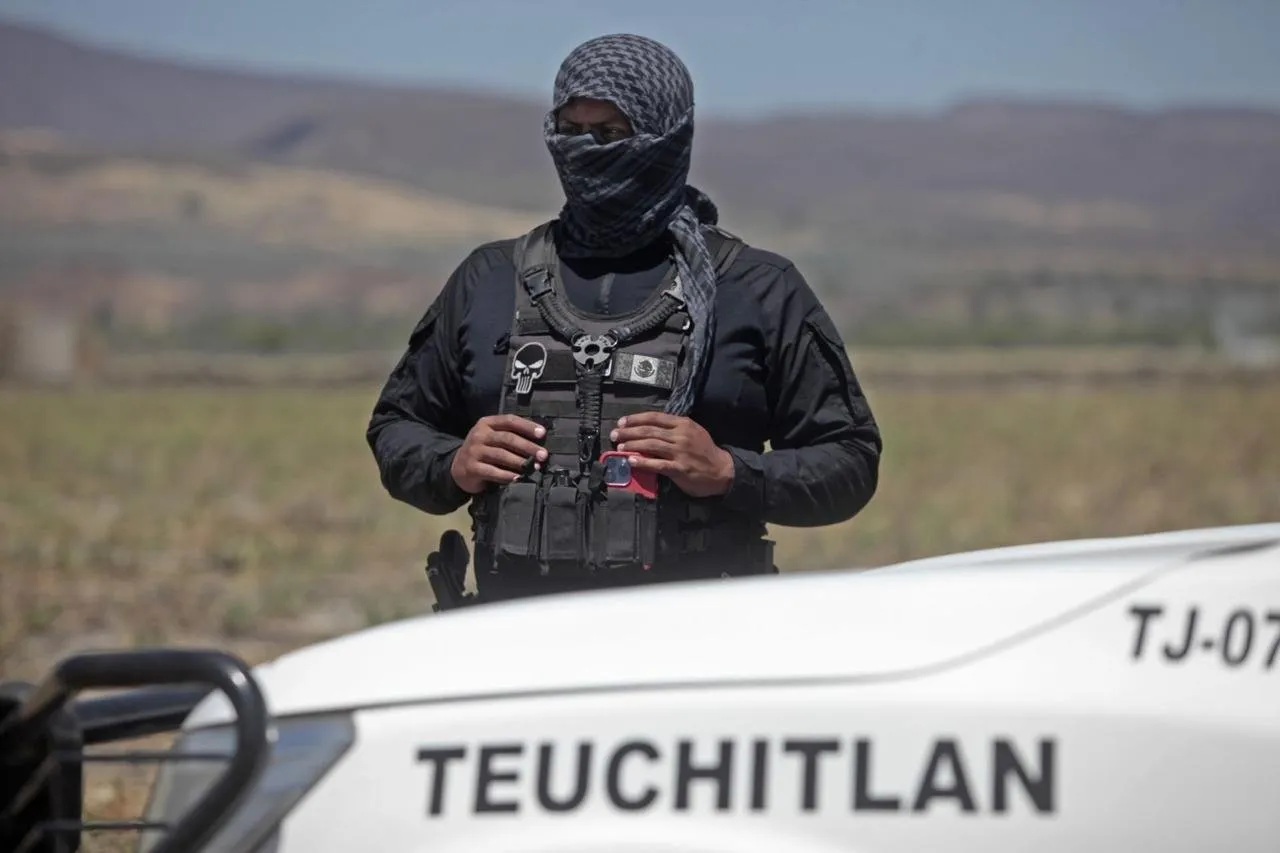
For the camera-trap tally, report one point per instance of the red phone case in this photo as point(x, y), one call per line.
point(644, 483)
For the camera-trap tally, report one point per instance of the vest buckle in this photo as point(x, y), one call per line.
point(676, 291)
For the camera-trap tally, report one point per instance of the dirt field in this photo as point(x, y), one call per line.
point(253, 519)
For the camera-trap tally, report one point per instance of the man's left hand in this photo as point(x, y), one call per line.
point(677, 448)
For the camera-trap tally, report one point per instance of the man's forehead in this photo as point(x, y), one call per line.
point(591, 110)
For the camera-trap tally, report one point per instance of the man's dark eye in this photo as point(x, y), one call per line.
point(568, 129)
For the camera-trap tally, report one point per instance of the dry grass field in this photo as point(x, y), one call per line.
point(253, 518)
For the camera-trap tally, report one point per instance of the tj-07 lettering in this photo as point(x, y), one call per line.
point(1239, 637)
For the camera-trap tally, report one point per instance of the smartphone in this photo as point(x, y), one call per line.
point(618, 474)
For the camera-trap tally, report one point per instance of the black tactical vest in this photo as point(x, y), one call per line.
point(577, 373)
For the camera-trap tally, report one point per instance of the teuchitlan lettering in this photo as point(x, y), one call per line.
point(791, 773)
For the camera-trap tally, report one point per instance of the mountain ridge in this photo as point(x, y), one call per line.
point(141, 182)
point(1204, 175)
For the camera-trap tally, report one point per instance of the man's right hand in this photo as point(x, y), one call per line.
point(495, 451)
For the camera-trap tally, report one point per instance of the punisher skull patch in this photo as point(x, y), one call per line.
point(527, 366)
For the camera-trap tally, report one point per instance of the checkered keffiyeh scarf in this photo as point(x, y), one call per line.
point(622, 196)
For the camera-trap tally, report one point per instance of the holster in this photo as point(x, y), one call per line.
point(447, 573)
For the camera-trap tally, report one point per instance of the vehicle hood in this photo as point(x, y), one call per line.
point(800, 625)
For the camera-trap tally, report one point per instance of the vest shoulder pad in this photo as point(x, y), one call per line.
point(725, 247)
point(521, 256)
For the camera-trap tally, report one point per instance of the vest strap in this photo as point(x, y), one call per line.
point(533, 366)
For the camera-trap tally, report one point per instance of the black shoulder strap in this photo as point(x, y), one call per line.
point(528, 258)
point(724, 247)
point(532, 256)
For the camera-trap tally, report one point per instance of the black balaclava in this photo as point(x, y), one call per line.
point(624, 195)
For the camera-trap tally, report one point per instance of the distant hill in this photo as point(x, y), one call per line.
point(114, 99)
point(439, 139)
point(983, 172)
point(162, 240)
point(48, 182)
point(180, 200)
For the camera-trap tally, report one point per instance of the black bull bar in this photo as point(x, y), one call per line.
point(45, 731)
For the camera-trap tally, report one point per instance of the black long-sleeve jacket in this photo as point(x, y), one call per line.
point(778, 373)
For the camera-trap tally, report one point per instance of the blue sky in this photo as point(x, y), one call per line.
point(746, 55)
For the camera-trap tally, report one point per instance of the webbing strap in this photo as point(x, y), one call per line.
point(726, 250)
point(559, 366)
point(610, 410)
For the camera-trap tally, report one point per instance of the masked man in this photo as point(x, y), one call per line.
point(600, 391)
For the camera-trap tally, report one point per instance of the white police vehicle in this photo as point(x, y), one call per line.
point(1102, 695)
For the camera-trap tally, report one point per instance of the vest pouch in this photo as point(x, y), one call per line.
point(646, 530)
point(619, 527)
point(561, 529)
point(516, 529)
